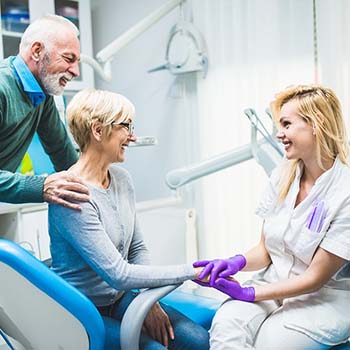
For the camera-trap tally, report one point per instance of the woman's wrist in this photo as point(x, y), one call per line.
point(197, 271)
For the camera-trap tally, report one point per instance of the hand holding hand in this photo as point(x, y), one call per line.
point(65, 188)
point(201, 283)
point(205, 282)
point(220, 267)
point(233, 289)
point(157, 325)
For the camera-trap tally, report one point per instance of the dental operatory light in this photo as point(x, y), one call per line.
point(102, 65)
point(185, 51)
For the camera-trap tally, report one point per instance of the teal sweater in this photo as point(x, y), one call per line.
point(19, 120)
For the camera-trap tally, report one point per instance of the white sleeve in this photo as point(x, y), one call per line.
point(337, 238)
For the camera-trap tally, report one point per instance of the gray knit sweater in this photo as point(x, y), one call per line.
point(100, 250)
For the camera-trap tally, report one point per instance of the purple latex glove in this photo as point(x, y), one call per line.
point(234, 290)
point(201, 283)
point(220, 267)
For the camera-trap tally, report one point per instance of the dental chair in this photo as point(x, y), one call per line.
point(40, 311)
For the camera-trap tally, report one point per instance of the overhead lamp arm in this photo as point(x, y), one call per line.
point(103, 70)
point(179, 177)
point(105, 56)
point(256, 149)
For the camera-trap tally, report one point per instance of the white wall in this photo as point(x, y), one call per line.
point(161, 110)
point(255, 48)
point(333, 19)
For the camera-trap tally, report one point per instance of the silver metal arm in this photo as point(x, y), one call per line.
point(268, 112)
point(262, 153)
point(111, 49)
point(259, 126)
point(106, 55)
point(144, 141)
point(260, 150)
point(104, 70)
point(179, 177)
point(135, 314)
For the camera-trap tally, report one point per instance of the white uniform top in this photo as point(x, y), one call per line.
point(323, 315)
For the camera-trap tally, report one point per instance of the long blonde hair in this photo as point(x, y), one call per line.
point(320, 107)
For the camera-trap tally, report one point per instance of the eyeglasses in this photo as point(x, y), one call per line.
point(129, 126)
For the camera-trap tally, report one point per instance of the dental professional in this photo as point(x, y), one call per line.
point(100, 250)
point(48, 58)
point(301, 299)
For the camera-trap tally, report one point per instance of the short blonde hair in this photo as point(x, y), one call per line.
point(319, 107)
point(91, 105)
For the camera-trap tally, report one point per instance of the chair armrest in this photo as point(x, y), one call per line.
point(135, 314)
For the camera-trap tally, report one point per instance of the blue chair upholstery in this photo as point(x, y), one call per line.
point(41, 310)
point(345, 346)
point(199, 309)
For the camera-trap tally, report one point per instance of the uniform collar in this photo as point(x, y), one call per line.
point(328, 174)
point(29, 84)
point(323, 177)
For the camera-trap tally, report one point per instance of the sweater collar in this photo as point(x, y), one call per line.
point(30, 85)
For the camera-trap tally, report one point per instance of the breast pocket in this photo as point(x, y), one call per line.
point(306, 244)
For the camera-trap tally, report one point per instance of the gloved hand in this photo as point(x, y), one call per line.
point(220, 267)
point(234, 290)
point(201, 283)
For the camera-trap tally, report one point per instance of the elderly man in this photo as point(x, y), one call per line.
point(48, 58)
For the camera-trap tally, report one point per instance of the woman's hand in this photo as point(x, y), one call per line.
point(220, 267)
point(233, 289)
point(157, 325)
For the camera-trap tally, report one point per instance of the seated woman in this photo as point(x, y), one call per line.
point(301, 299)
point(100, 249)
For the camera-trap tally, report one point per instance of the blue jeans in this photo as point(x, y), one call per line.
point(188, 335)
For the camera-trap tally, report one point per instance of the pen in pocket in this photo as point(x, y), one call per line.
point(316, 217)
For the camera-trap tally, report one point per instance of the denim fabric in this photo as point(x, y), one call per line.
point(188, 335)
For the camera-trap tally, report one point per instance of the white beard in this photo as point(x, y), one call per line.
point(51, 82)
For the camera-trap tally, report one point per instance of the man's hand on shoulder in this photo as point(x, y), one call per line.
point(66, 189)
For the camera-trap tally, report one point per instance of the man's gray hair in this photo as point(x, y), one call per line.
point(45, 30)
